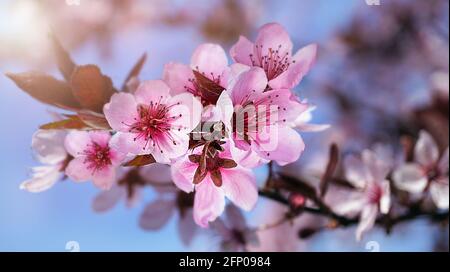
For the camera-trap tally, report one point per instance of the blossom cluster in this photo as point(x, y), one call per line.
point(211, 121)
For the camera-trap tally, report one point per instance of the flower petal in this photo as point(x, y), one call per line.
point(273, 36)
point(439, 193)
point(249, 86)
point(355, 171)
point(376, 169)
point(177, 76)
point(121, 112)
point(411, 178)
point(187, 227)
point(43, 178)
point(49, 146)
point(239, 185)
point(209, 59)
point(241, 51)
point(128, 143)
point(283, 145)
point(183, 174)
point(235, 217)
point(385, 201)
point(155, 91)
point(77, 170)
point(366, 220)
point(156, 214)
point(105, 178)
point(171, 146)
point(106, 200)
point(76, 142)
point(443, 162)
point(209, 203)
point(426, 151)
point(303, 61)
point(188, 110)
point(351, 205)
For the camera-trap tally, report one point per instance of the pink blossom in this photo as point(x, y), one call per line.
point(208, 59)
point(233, 231)
point(152, 121)
point(302, 123)
point(272, 51)
point(429, 171)
point(221, 178)
point(94, 158)
point(260, 122)
point(368, 175)
point(50, 151)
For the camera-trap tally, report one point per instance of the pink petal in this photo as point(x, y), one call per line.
point(106, 200)
point(279, 101)
point(411, 178)
point(443, 162)
point(49, 146)
point(105, 178)
point(100, 137)
point(76, 142)
point(385, 201)
point(312, 127)
point(355, 171)
point(272, 36)
point(177, 76)
point(283, 145)
point(239, 185)
point(439, 193)
point(426, 151)
point(155, 91)
point(121, 111)
point(187, 227)
point(156, 214)
point(183, 174)
point(351, 206)
point(209, 58)
point(77, 170)
point(250, 85)
point(304, 59)
point(376, 169)
point(209, 202)
point(246, 158)
point(188, 109)
point(43, 178)
point(241, 51)
point(128, 143)
point(225, 109)
point(367, 220)
point(170, 147)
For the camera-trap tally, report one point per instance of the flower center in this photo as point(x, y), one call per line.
point(98, 157)
point(206, 88)
point(274, 62)
point(374, 194)
point(154, 121)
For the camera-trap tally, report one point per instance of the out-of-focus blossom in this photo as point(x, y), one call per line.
point(427, 172)
point(152, 121)
point(234, 233)
point(50, 151)
point(221, 178)
point(261, 122)
point(272, 51)
point(368, 175)
point(94, 158)
point(208, 59)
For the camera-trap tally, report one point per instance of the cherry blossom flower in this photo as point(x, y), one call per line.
point(211, 61)
point(234, 233)
point(261, 122)
point(221, 177)
point(272, 51)
point(368, 175)
point(94, 158)
point(50, 151)
point(427, 172)
point(152, 121)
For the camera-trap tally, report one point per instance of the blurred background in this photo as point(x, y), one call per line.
point(382, 72)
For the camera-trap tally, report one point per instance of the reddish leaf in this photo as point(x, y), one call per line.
point(134, 71)
point(46, 89)
point(73, 122)
point(329, 171)
point(91, 88)
point(209, 89)
point(94, 120)
point(216, 177)
point(227, 163)
point(65, 63)
point(199, 175)
point(141, 160)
